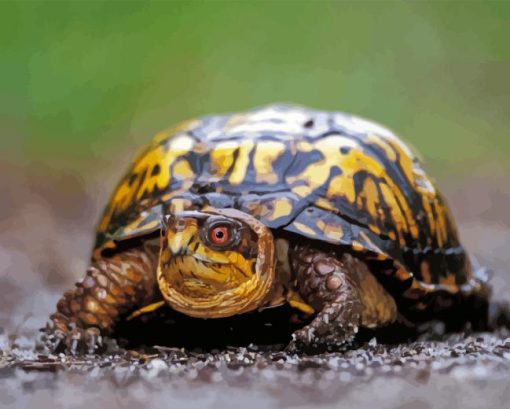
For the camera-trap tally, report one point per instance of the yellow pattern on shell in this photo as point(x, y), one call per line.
point(266, 152)
point(241, 165)
point(351, 162)
point(377, 182)
point(335, 232)
point(222, 158)
point(143, 180)
point(281, 208)
point(304, 228)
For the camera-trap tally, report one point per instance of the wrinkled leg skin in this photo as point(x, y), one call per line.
point(112, 287)
point(324, 282)
point(344, 294)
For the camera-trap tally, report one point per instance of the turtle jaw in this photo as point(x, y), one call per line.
point(206, 289)
point(204, 282)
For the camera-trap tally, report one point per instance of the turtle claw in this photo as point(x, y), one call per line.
point(291, 348)
point(302, 341)
point(63, 335)
point(310, 340)
point(94, 339)
point(296, 345)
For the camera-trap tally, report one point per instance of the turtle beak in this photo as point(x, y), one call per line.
point(175, 244)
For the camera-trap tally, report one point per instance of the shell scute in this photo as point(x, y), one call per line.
point(275, 209)
point(329, 177)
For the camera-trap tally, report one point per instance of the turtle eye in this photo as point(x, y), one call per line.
point(219, 235)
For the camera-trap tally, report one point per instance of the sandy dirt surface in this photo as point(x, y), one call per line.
point(44, 245)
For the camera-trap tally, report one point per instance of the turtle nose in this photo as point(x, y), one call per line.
point(166, 221)
point(179, 233)
point(175, 224)
point(180, 225)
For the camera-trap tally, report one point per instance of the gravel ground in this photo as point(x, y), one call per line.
point(455, 370)
point(43, 248)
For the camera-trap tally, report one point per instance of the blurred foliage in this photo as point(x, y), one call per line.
point(87, 81)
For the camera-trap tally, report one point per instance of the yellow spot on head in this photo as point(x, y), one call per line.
point(201, 280)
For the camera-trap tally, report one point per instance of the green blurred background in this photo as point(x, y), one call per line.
point(85, 83)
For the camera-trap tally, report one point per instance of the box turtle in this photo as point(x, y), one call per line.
point(230, 214)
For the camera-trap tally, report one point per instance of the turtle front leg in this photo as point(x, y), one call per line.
point(329, 286)
point(344, 292)
point(112, 287)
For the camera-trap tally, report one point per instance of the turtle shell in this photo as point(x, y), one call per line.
point(330, 177)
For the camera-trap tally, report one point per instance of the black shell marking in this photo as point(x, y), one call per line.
point(326, 176)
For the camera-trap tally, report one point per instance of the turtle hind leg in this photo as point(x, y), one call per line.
point(466, 308)
point(345, 294)
point(112, 287)
point(499, 315)
point(469, 308)
point(476, 306)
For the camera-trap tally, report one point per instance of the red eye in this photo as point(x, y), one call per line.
point(219, 235)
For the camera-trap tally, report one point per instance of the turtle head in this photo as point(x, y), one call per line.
point(215, 263)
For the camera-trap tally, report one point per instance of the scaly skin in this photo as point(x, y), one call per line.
point(111, 288)
point(328, 285)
